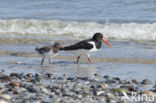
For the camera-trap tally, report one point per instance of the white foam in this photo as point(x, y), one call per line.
point(125, 31)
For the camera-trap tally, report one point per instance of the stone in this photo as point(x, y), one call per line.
point(116, 78)
point(5, 97)
point(31, 89)
point(106, 77)
point(148, 93)
point(104, 85)
point(123, 100)
point(100, 93)
point(3, 101)
point(146, 81)
point(44, 90)
point(71, 79)
point(5, 78)
point(48, 75)
point(14, 84)
point(29, 75)
point(15, 75)
point(110, 96)
point(83, 78)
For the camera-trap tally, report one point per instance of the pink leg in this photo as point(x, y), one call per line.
point(89, 60)
point(78, 59)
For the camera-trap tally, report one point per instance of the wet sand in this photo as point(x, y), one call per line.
point(127, 59)
point(129, 66)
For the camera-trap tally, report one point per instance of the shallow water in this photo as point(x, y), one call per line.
point(126, 59)
point(60, 67)
point(128, 25)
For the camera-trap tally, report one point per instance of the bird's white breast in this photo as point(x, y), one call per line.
point(50, 54)
point(84, 51)
point(94, 47)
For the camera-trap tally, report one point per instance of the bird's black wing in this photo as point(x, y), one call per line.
point(80, 45)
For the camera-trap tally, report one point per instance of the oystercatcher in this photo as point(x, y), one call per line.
point(49, 51)
point(87, 46)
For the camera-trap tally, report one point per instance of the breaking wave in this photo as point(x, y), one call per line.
point(123, 31)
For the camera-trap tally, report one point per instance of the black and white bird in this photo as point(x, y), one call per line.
point(86, 47)
point(49, 51)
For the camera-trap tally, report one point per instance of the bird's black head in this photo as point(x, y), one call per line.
point(97, 36)
point(57, 45)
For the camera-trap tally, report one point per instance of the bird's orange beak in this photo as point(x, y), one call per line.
point(106, 42)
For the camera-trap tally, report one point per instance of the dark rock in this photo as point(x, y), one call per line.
point(29, 75)
point(15, 75)
point(83, 78)
point(60, 78)
point(62, 90)
point(135, 81)
point(106, 77)
point(51, 96)
point(71, 79)
point(44, 102)
point(94, 91)
point(92, 86)
point(146, 81)
point(31, 89)
point(5, 78)
point(37, 77)
point(15, 92)
point(131, 88)
point(48, 75)
point(116, 78)
point(95, 74)
point(33, 81)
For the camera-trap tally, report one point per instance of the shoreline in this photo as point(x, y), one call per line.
point(114, 70)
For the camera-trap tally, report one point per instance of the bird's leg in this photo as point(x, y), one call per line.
point(78, 59)
point(89, 60)
point(49, 60)
point(42, 61)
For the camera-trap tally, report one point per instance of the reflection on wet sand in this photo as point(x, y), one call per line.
point(84, 70)
point(83, 59)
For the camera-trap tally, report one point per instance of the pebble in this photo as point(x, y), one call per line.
point(39, 88)
point(44, 90)
point(135, 81)
point(3, 101)
point(146, 81)
point(17, 75)
point(5, 97)
point(13, 83)
point(110, 96)
point(5, 78)
point(148, 93)
point(102, 86)
point(31, 89)
point(100, 93)
point(83, 78)
point(106, 77)
point(48, 75)
point(71, 79)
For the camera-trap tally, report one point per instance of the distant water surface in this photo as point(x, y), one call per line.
point(80, 10)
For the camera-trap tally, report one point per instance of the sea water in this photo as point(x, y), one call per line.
point(129, 25)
